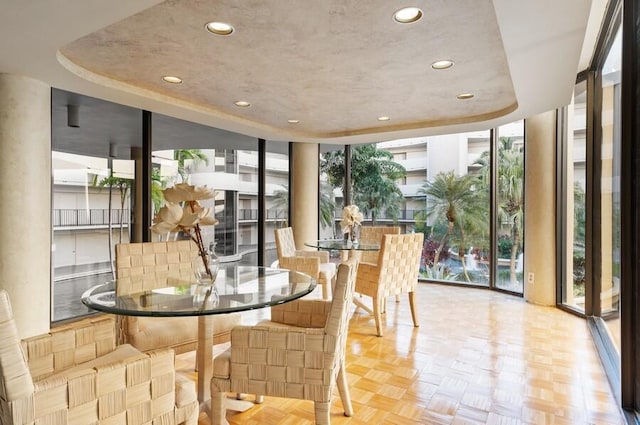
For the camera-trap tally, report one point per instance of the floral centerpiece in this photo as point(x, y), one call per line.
point(351, 219)
point(183, 212)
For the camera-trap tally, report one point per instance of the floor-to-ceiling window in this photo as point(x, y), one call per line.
point(441, 185)
point(277, 195)
point(191, 153)
point(331, 201)
point(589, 201)
point(610, 189)
point(509, 215)
point(96, 148)
point(447, 186)
point(574, 159)
point(93, 178)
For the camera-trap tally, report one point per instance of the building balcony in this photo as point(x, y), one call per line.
point(66, 219)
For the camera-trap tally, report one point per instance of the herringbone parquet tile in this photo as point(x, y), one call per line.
point(478, 357)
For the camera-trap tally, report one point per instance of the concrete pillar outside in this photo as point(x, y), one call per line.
point(25, 196)
point(540, 209)
point(304, 192)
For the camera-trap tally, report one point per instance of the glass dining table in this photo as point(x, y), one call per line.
point(348, 249)
point(342, 245)
point(237, 288)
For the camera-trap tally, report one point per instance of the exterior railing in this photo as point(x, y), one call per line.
point(404, 215)
point(91, 217)
point(252, 214)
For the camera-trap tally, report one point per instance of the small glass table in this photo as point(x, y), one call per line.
point(342, 245)
point(346, 247)
point(237, 288)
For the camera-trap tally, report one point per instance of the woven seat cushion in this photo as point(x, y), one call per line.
point(185, 391)
point(167, 332)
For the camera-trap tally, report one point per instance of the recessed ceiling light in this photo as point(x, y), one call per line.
point(383, 118)
point(219, 28)
point(463, 96)
point(242, 103)
point(293, 121)
point(443, 64)
point(407, 15)
point(172, 79)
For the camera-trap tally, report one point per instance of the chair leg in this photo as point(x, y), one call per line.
point(218, 412)
point(397, 298)
point(323, 416)
point(343, 389)
point(377, 306)
point(414, 313)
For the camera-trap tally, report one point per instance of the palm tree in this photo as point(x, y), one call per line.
point(188, 158)
point(510, 176)
point(511, 201)
point(373, 175)
point(280, 200)
point(157, 186)
point(457, 201)
point(123, 185)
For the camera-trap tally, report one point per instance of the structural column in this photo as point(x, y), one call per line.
point(25, 196)
point(540, 209)
point(304, 192)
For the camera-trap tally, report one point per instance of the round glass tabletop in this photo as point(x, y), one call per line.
point(237, 288)
point(342, 245)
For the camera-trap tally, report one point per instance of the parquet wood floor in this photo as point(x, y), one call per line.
point(479, 357)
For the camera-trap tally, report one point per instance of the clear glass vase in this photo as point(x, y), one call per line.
point(206, 275)
point(353, 235)
point(205, 296)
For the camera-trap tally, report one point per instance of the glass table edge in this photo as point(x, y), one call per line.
point(344, 247)
point(85, 298)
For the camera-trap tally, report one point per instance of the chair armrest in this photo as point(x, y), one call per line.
point(322, 255)
point(367, 278)
point(125, 383)
point(68, 345)
point(302, 313)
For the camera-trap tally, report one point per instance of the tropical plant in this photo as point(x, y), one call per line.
point(157, 186)
point(373, 176)
point(123, 185)
point(280, 201)
point(456, 201)
point(188, 160)
point(510, 186)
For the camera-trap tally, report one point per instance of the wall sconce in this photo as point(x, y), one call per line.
point(73, 119)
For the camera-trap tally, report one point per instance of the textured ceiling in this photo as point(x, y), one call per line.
point(334, 65)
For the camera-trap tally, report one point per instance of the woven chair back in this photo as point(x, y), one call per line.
point(151, 265)
point(373, 235)
point(285, 244)
point(399, 261)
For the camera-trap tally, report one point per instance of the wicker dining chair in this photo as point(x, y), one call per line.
point(302, 355)
point(373, 235)
point(75, 374)
point(395, 272)
point(314, 263)
point(152, 265)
